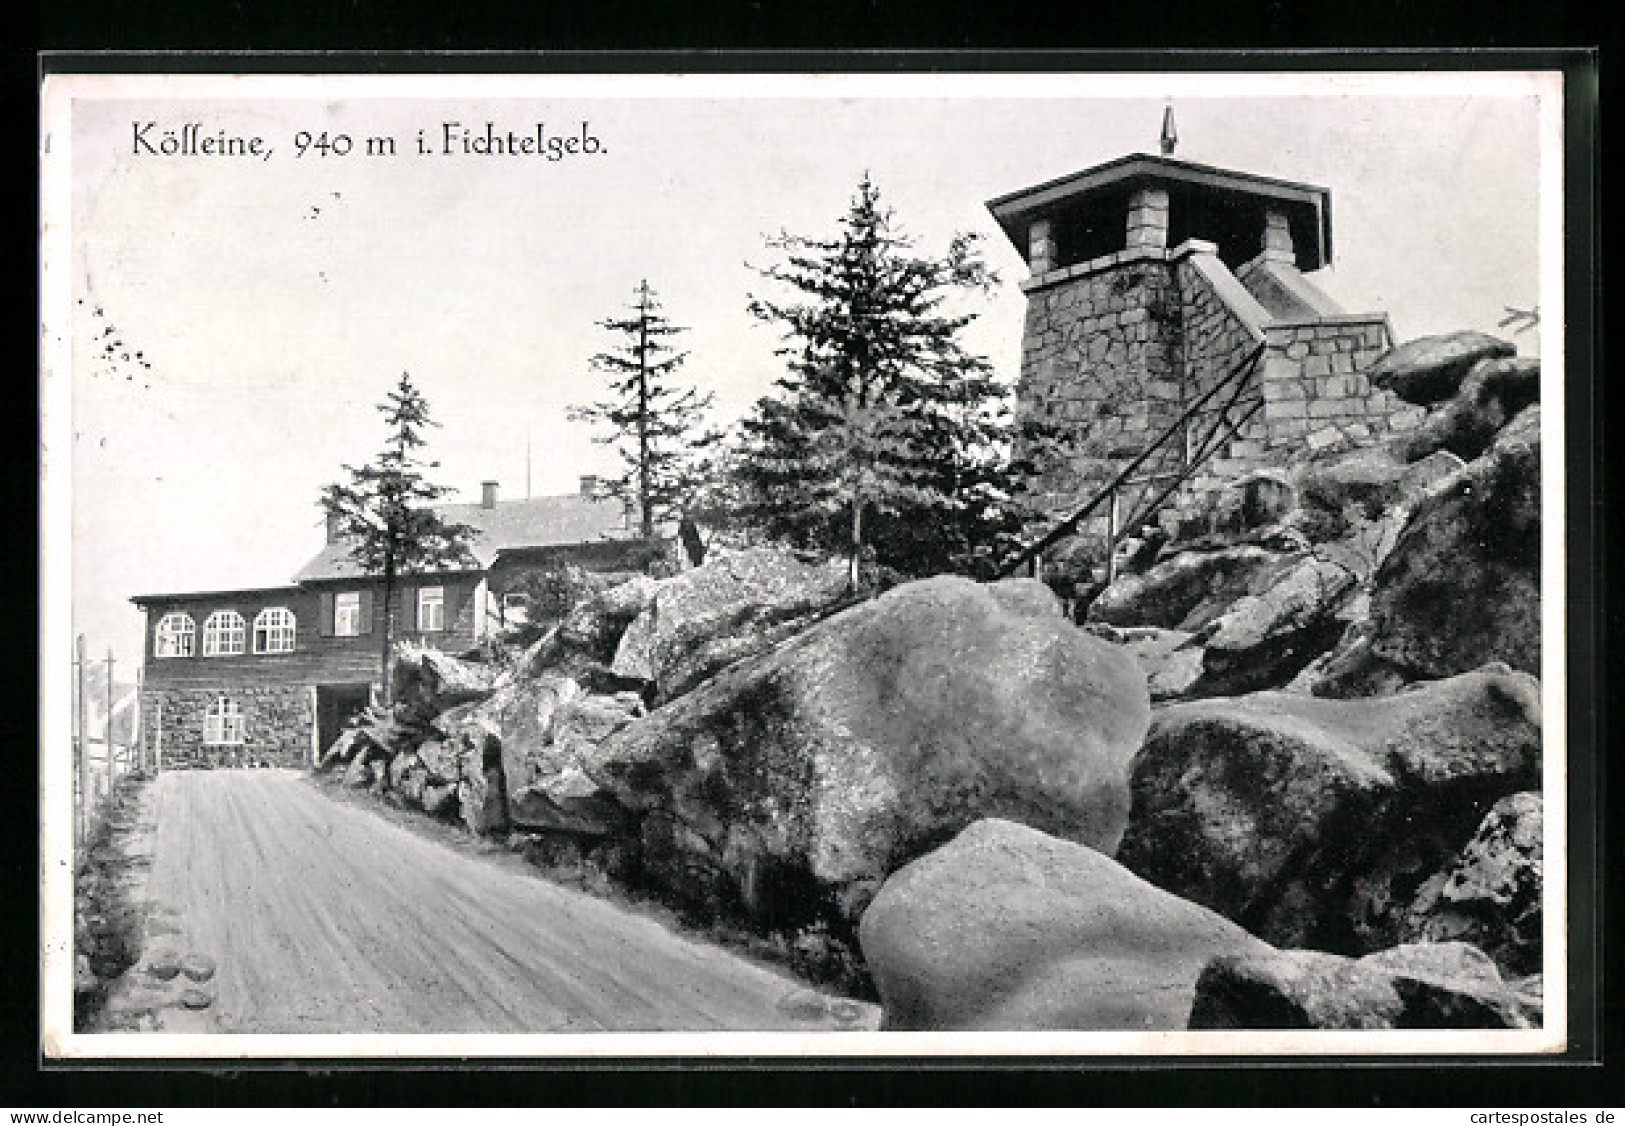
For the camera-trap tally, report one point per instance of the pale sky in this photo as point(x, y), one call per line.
point(276, 301)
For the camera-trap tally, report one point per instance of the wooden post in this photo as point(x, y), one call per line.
point(112, 761)
point(83, 743)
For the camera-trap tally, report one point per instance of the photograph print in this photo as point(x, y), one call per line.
point(803, 566)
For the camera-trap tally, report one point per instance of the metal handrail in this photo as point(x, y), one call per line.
point(1237, 374)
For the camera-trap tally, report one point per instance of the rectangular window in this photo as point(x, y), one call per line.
point(515, 609)
point(431, 609)
point(223, 722)
point(347, 614)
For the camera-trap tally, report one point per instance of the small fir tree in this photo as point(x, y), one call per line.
point(385, 510)
point(654, 424)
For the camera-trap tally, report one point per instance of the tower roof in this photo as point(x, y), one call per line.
point(1217, 204)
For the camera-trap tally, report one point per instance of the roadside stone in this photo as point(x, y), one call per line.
point(197, 967)
point(440, 799)
point(483, 802)
point(358, 773)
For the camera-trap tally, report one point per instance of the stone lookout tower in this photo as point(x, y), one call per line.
point(1154, 281)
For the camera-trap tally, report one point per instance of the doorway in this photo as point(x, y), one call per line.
point(335, 705)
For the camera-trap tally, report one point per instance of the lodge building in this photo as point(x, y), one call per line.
point(270, 674)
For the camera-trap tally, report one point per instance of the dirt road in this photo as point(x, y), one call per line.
point(323, 916)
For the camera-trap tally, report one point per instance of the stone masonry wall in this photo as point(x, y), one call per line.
point(1316, 395)
point(1223, 326)
point(277, 726)
point(1102, 354)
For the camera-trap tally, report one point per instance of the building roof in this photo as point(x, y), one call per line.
point(508, 525)
point(248, 592)
point(1308, 206)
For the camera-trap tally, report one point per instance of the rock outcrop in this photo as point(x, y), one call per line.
point(1443, 985)
point(1190, 589)
point(1430, 369)
point(1170, 658)
point(1493, 393)
point(1490, 895)
point(796, 781)
point(427, 682)
point(736, 605)
point(517, 720)
point(1264, 640)
point(1313, 822)
point(1474, 541)
point(1008, 928)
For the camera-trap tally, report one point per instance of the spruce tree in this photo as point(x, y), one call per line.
point(654, 424)
point(875, 363)
point(385, 510)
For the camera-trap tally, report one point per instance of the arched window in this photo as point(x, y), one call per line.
point(273, 630)
point(223, 633)
point(176, 636)
point(223, 721)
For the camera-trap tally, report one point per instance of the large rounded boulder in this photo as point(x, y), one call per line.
point(793, 783)
point(1313, 822)
point(1009, 928)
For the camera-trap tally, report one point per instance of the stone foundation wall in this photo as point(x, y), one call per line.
point(277, 727)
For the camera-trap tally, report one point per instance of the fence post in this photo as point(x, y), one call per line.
point(138, 743)
point(83, 812)
point(112, 758)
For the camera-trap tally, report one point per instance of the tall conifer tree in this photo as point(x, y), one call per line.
point(384, 510)
point(654, 424)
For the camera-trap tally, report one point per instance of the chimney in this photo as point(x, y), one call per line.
point(589, 484)
point(488, 494)
point(333, 535)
